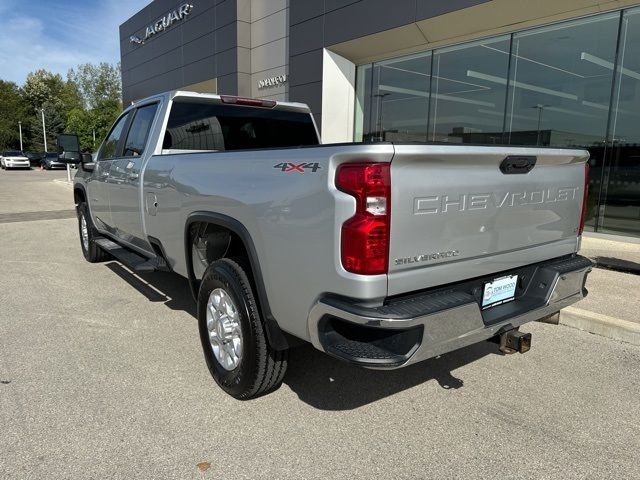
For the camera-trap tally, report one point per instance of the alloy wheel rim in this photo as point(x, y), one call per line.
point(224, 330)
point(84, 232)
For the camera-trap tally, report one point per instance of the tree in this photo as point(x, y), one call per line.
point(99, 90)
point(42, 86)
point(97, 83)
point(81, 123)
point(54, 122)
point(12, 110)
point(48, 91)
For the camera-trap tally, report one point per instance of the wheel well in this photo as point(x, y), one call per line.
point(229, 238)
point(220, 241)
point(78, 196)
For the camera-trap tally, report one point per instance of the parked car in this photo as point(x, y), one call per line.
point(380, 255)
point(35, 158)
point(14, 159)
point(50, 161)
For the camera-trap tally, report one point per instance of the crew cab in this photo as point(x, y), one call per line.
point(379, 254)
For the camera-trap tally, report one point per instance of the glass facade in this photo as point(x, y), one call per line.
point(572, 84)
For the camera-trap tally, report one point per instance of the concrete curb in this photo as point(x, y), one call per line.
point(603, 325)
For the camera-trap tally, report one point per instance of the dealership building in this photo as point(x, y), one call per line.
point(559, 73)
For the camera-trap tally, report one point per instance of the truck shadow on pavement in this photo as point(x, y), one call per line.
point(329, 384)
point(318, 379)
point(166, 287)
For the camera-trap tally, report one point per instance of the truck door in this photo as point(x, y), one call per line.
point(125, 195)
point(98, 182)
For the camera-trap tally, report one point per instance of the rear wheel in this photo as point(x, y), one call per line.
point(91, 251)
point(233, 336)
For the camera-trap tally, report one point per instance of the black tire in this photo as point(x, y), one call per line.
point(261, 369)
point(92, 252)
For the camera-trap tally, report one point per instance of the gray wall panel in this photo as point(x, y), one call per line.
point(226, 37)
point(311, 94)
point(330, 5)
point(157, 66)
point(228, 84)
point(268, 56)
point(225, 13)
point(367, 17)
point(198, 49)
point(199, 71)
point(305, 68)
point(301, 10)
point(268, 29)
point(260, 9)
point(309, 36)
point(200, 23)
point(227, 62)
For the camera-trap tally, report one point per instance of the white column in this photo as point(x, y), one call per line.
point(338, 98)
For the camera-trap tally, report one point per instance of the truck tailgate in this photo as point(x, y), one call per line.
point(455, 214)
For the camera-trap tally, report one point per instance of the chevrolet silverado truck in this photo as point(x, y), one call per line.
point(379, 254)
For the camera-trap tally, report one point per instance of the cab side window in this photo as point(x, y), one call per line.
point(139, 130)
point(110, 148)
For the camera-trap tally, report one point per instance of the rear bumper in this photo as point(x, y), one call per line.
point(418, 326)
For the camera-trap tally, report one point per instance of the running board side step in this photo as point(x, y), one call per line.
point(131, 259)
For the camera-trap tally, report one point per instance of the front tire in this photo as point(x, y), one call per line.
point(91, 251)
point(233, 336)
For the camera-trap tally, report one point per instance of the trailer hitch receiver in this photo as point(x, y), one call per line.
point(513, 341)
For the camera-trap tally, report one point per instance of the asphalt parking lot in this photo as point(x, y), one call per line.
point(102, 376)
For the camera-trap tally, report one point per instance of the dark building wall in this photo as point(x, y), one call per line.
point(199, 48)
point(314, 25)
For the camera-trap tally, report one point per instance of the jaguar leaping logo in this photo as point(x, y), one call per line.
point(136, 39)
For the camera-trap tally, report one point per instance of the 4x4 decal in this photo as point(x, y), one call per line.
point(298, 167)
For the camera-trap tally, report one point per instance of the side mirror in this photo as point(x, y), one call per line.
point(87, 162)
point(68, 148)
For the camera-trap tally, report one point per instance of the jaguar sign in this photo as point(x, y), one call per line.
point(163, 23)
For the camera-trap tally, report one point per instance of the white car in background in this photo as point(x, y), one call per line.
point(14, 159)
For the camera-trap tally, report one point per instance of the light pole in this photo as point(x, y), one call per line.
point(20, 129)
point(44, 130)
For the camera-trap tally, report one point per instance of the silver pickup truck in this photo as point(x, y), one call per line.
point(381, 254)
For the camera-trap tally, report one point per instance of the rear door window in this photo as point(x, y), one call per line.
point(209, 126)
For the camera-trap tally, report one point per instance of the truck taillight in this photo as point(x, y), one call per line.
point(365, 236)
point(583, 218)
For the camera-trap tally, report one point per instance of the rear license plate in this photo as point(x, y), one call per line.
point(501, 290)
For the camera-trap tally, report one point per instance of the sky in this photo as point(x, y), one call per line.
point(59, 35)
